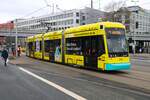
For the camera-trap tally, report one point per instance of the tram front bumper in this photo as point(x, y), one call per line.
point(120, 66)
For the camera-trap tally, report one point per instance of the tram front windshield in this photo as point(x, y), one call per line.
point(116, 41)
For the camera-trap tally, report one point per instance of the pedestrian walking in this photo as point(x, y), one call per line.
point(140, 50)
point(19, 51)
point(4, 55)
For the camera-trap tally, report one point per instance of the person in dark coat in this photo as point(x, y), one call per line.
point(4, 55)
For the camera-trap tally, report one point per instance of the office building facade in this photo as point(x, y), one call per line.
point(60, 20)
point(137, 22)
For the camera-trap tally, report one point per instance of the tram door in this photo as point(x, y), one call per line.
point(90, 45)
point(54, 50)
point(31, 49)
point(51, 51)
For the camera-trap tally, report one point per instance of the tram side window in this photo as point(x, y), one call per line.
point(40, 46)
point(51, 46)
point(86, 44)
point(57, 46)
point(47, 45)
point(74, 46)
point(93, 46)
point(30, 45)
point(34, 46)
point(68, 50)
point(101, 49)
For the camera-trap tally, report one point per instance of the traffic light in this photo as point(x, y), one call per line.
point(130, 40)
point(136, 25)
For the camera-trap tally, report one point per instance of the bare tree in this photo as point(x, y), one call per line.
point(112, 8)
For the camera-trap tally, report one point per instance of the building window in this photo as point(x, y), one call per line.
point(71, 21)
point(67, 15)
point(70, 14)
point(83, 17)
point(137, 25)
point(77, 21)
point(64, 16)
point(77, 14)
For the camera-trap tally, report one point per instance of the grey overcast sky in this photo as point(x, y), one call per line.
point(12, 9)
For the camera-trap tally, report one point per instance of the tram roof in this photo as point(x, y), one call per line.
point(94, 26)
point(30, 38)
point(38, 35)
point(53, 33)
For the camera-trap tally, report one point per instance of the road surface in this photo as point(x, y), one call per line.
point(38, 80)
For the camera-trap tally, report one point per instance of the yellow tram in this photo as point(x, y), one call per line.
point(101, 46)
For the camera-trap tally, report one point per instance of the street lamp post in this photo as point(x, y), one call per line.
point(133, 45)
point(16, 38)
point(134, 42)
